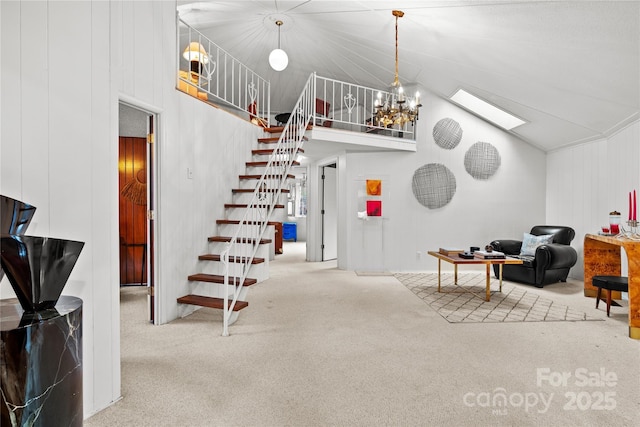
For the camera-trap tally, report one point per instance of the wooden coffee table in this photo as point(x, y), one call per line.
point(456, 261)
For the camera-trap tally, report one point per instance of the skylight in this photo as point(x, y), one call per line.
point(485, 110)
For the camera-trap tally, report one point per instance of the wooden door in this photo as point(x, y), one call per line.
point(133, 210)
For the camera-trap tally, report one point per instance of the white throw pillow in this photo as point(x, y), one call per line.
point(530, 243)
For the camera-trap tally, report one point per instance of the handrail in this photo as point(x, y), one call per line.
point(214, 73)
point(352, 107)
point(265, 196)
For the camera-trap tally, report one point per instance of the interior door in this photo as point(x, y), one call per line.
point(137, 199)
point(133, 210)
point(329, 212)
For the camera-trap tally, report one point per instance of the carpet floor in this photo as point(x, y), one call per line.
point(319, 346)
point(465, 301)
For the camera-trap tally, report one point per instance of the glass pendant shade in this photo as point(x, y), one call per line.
point(278, 59)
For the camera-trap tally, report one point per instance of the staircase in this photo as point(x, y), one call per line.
point(238, 261)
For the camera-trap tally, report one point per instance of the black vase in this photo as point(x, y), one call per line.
point(38, 268)
point(15, 217)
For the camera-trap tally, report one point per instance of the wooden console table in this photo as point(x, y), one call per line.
point(602, 258)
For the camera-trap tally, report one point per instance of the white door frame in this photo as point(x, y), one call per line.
point(329, 214)
point(153, 180)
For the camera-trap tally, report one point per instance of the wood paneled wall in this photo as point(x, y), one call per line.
point(587, 181)
point(133, 209)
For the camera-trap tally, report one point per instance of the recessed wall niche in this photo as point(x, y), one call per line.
point(482, 160)
point(447, 133)
point(433, 185)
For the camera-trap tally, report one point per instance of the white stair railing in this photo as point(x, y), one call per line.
point(209, 72)
point(246, 240)
point(352, 107)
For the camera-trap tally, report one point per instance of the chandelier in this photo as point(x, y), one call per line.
point(396, 108)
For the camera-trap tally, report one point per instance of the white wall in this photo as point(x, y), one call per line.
point(59, 152)
point(585, 182)
point(504, 206)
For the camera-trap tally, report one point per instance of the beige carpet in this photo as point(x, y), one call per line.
point(318, 346)
point(465, 302)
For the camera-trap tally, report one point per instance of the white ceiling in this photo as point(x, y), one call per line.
point(571, 69)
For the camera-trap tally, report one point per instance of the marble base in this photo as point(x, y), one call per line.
point(41, 370)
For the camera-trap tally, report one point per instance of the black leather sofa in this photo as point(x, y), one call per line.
point(551, 262)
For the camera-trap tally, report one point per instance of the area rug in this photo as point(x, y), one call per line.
point(513, 304)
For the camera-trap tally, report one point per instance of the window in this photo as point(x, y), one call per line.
point(297, 198)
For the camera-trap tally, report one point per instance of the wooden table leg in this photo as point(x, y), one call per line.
point(439, 266)
point(500, 277)
point(455, 274)
point(488, 296)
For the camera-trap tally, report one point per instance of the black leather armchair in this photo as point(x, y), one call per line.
point(551, 262)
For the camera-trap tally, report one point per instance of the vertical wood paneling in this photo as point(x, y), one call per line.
point(70, 136)
point(34, 87)
point(143, 57)
point(133, 224)
point(601, 174)
point(128, 47)
point(62, 71)
point(10, 105)
point(104, 295)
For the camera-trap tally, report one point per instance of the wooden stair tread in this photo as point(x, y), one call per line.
point(260, 176)
point(265, 163)
point(236, 205)
point(211, 302)
point(251, 190)
point(240, 239)
point(216, 257)
point(237, 221)
point(279, 129)
point(216, 278)
point(269, 139)
point(269, 151)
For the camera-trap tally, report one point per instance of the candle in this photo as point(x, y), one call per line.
point(630, 217)
point(635, 206)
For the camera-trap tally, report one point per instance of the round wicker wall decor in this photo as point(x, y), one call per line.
point(482, 160)
point(433, 185)
point(447, 133)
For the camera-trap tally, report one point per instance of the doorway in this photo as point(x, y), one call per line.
point(329, 212)
point(136, 193)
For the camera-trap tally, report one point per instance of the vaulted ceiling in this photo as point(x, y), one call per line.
point(571, 69)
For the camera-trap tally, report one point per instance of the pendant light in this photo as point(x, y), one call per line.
point(400, 109)
point(278, 58)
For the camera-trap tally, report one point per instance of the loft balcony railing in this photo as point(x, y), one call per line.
point(212, 74)
point(348, 106)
